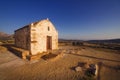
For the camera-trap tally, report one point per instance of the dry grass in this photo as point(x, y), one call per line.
point(3, 49)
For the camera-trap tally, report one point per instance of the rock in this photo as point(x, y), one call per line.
point(93, 69)
point(78, 69)
point(97, 67)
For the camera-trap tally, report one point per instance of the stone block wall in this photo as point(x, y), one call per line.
point(34, 37)
point(22, 37)
point(39, 33)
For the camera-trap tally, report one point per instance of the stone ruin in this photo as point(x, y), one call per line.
point(88, 69)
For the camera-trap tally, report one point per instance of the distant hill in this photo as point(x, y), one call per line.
point(69, 40)
point(105, 41)
point(5, 36)
point(92, 41)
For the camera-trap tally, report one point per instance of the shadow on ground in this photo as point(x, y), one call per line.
point(9, 48)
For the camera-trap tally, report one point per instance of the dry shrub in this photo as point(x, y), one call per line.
point(2, 49)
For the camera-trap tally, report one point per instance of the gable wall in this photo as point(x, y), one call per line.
point(39, 33)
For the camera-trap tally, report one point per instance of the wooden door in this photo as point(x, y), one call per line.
point(49, 43)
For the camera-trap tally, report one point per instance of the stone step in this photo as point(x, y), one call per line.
point(19, 52)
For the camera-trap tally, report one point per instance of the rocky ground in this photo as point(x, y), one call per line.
point(62, 67)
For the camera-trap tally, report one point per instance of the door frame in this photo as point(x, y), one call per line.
point(49, 43)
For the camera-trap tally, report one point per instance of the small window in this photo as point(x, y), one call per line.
point(48, 28)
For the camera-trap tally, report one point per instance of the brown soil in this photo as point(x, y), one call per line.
point(14, 68)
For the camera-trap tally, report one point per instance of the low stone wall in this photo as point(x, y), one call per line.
point(20, 52)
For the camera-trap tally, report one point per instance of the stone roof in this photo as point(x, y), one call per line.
point(22, 28)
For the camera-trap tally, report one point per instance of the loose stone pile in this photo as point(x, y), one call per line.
point(89, 69)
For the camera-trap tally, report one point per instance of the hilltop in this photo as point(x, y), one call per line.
point(105, 41)
point(5, 36)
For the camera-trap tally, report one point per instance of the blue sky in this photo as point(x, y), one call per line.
point(74, 19)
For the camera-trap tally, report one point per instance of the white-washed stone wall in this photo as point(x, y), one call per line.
point(39, 33)
point(34, 37)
